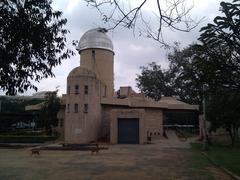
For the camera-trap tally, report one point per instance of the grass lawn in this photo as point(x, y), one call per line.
point(224, 156)
point(199, 163)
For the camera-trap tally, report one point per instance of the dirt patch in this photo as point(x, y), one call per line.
point(118, 162)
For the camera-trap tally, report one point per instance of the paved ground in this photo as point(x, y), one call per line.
point(161, 160)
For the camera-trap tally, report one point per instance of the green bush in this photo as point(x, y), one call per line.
point(22, 133)
point(26, 139)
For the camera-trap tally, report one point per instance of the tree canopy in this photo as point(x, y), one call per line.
point(215, 62)
point(183, 78)
point(221, 42)
point(155, 82)
point(32, 43)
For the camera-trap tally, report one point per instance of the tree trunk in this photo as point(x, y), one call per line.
point(232, 135)
point(238, 135)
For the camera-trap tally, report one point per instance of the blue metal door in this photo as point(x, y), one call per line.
point(128, 131)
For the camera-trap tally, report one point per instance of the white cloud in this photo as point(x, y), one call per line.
point(71, 5)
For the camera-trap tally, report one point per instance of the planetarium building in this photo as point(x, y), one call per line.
point(93, 110)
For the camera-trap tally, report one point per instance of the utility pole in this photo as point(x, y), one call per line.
point(205, 140)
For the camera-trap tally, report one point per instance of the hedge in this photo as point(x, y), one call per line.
point(26, 139)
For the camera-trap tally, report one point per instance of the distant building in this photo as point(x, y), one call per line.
point(94, 111)
point(13, 115)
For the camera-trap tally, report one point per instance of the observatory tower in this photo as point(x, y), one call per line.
point(86, 85)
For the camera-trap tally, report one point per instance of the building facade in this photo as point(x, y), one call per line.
point(94, 111)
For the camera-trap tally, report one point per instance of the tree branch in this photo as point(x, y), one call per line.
point(173, 15)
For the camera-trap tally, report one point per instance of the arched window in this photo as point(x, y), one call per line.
point(76, 89)
point(75, 108)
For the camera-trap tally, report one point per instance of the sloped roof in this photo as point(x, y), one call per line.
point(144, 102)
point(173, 103)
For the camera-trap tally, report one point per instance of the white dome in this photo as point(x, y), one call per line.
point(95, 38)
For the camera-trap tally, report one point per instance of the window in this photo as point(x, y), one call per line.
point(68, 108)
point(76, 89)
point(85, 108)
point(68, 90)
point(86, 89)
point(75, 108)
point(93, 54)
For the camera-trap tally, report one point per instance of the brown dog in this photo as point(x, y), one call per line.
point(94, 150)
point(35, 152)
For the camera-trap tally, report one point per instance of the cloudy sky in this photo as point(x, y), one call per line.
point(131, 51)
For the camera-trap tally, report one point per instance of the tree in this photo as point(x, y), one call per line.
point(50, 108)
point(32, 43)
point(215, 62)
point(221, 42)
point(155, 82)
point(172, 14)
point(189, 75)
point(223, 110)
point(183, 78)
